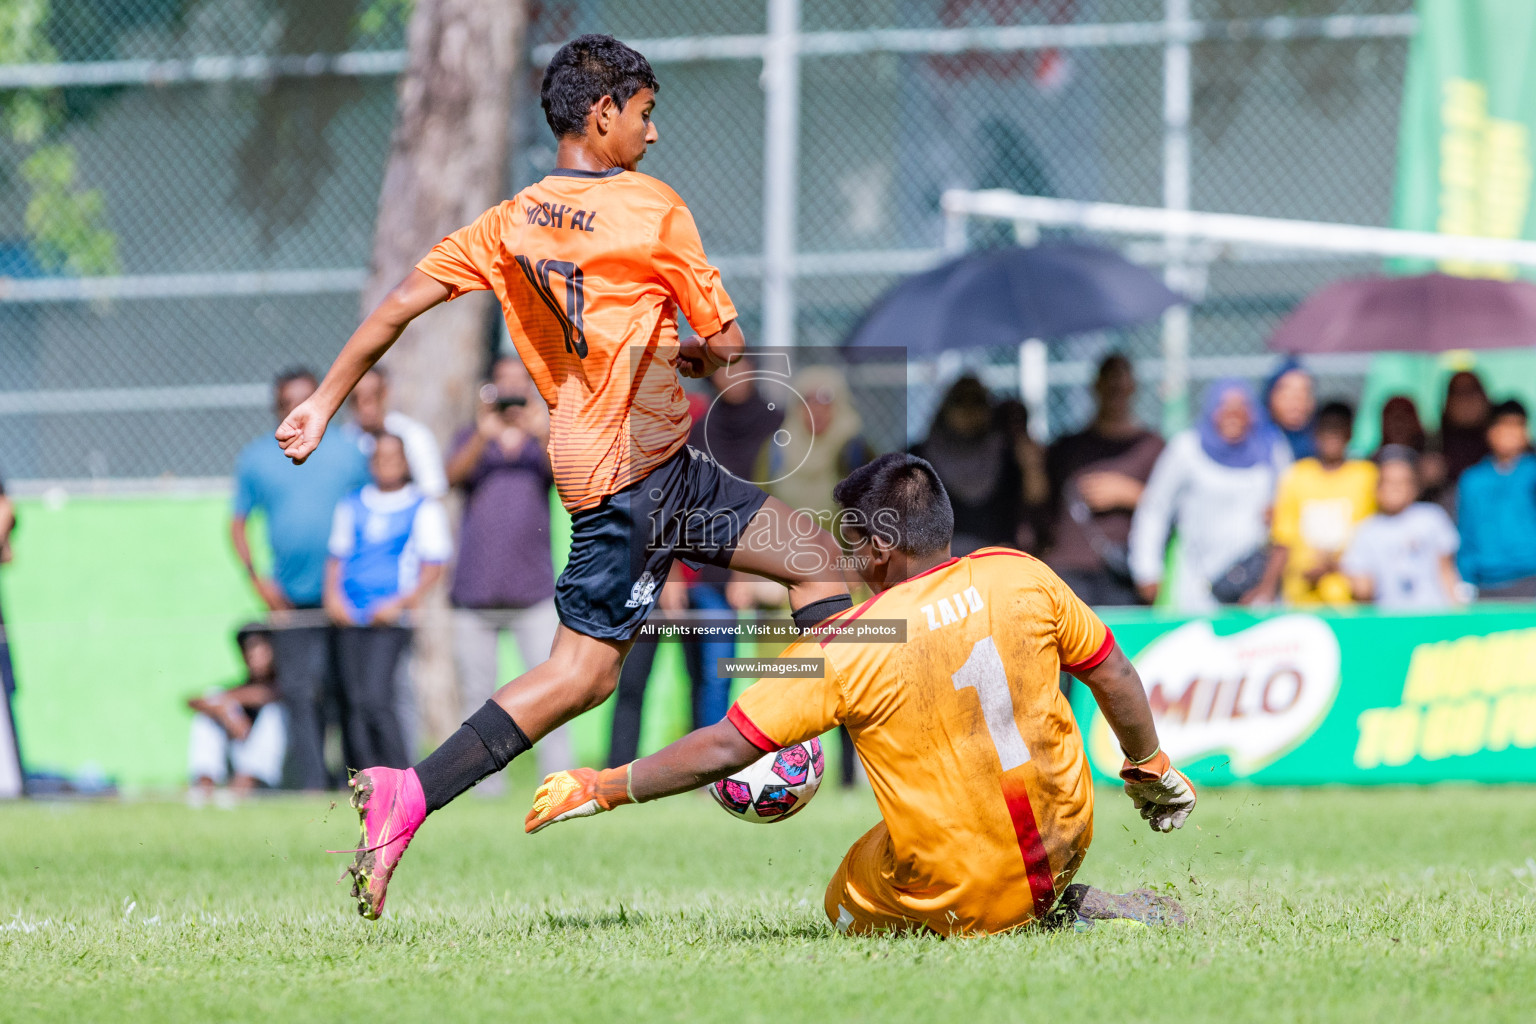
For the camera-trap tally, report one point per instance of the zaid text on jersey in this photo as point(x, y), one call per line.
point(942, 613)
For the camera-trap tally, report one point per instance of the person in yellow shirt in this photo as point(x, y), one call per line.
point(1318, 504)
point(974, 756)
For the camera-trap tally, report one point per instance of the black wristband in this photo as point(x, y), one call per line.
point(820, 611)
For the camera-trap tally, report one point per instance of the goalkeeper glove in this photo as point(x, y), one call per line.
point(1161, 792)
point(577, 793)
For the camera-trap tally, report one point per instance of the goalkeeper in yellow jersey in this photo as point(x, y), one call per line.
point(975, 758)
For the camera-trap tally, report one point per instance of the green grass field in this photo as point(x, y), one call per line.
point(1347, 905)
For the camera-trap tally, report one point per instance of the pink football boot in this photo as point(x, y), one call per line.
point(390, 807)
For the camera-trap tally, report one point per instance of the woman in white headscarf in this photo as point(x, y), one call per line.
point(1216, 483)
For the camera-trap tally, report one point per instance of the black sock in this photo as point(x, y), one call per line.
point(820, 611)
point(484, 745)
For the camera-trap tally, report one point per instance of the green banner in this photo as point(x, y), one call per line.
point(1469, 106)
point(1300, 698)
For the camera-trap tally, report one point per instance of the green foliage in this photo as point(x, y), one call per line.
point(23, 35)
point(28, 116)
point(67, 223)
point(1401, 905)
point(380, 15)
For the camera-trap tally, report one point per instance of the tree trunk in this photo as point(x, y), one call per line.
point(447, 165)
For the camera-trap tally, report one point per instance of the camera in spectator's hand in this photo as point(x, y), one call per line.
point(490, 396)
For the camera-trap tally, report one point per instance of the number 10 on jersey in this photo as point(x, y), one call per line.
point(569, 314)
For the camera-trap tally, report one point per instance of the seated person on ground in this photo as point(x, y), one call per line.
point(1404, 556)
point(1319, 502)
point(973, 753)
point(241, 727)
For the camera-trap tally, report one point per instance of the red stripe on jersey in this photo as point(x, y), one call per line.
point(1095, 659)
point(749, 731)
point(1037, 866)
point(989, 552)
point(942, 565)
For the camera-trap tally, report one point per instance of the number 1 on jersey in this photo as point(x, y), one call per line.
point(983, 671)
point(570, 317)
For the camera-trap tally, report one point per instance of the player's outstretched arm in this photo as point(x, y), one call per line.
point(699, 758)
point(1161, 792)
point(300, 434)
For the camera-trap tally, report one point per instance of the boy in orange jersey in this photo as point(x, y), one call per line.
point(973, 753)
point(593, 266)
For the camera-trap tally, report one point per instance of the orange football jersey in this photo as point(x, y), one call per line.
point(592, 271)
point(972, 751)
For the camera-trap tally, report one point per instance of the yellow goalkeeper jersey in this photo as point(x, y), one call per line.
point(971, 748)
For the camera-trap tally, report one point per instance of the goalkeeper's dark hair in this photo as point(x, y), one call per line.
point(900, 499)
point(585, 70)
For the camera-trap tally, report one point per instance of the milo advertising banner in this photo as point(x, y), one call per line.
point(1300, 698)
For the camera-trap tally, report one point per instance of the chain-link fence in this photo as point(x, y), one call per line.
point(187, 187)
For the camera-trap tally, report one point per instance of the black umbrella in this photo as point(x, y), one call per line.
point(1004, 296)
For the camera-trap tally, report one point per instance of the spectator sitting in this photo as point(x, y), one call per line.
point(976, 462)
point(1290, 398)
point(1463, 440)
point(389, 543)
point(241, 727)
point(1096, 479)
point(1403, 557)
point(1217, 482)
point(298, 503)
point(372, 418)
point(1319, 503)
point(504, 581)
point(1497, 503)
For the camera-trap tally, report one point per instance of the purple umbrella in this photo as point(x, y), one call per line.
point(1428, 313)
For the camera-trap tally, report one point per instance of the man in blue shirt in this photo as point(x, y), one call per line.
point(298, 503)
point(1496, 510)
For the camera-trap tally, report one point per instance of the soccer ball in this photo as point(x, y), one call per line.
point(773, 787)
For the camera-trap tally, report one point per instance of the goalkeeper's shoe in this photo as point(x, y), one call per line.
point(1083, 907)
point(390, 807)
